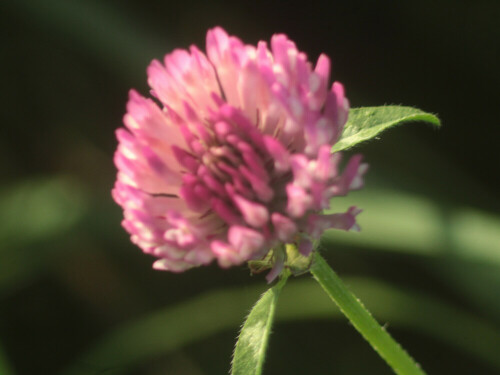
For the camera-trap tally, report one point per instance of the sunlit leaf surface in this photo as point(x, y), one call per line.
point(367, 122)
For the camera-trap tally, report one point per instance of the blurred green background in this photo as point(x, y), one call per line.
point(77, 298)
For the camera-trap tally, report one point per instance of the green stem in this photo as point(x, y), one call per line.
point(363, 321)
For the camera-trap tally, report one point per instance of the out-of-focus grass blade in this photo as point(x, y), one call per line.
point(406, 223)
point(5, 367)
point(399, 308)
point(474, 232)
point(33, 210)
point(217, 311)
point(167, 329)
point(31, 213)
point(367, 122)
point(463, 243)
point(99, 28)
point(250, 350)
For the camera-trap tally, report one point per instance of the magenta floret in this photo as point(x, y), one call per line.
point(236, 158)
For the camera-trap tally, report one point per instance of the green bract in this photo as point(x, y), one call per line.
point(250, 350)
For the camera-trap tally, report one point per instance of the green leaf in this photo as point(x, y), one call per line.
point(367, 122)
point(250, 350)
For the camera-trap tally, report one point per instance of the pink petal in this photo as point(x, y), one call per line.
point(225, 53)
point(226, 255)
point(171, 265)
point(246, 241)
point(279, 154)
point(284, 226)
point(298, 201)
point(317, 224)
point(352, 175)
point(254, 214)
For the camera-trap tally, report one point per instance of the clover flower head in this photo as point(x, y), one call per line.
point(232, 155)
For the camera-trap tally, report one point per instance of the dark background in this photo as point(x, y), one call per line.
point(68, 274)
